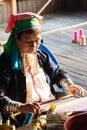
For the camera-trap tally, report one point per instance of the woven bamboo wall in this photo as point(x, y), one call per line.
point(35, 6)
point(4, 13)
point(83, 5)
point(32, 6)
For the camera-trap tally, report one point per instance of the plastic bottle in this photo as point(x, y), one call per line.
point(54, 119)
point(51, 112)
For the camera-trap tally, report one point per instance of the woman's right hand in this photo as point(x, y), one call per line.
point(29, 107)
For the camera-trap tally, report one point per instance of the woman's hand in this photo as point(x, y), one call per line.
point(29, 107)
point(76, 90)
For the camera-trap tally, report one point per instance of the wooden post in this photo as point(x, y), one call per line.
point(12, 4)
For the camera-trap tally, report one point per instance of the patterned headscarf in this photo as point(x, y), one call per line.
point(18, 23)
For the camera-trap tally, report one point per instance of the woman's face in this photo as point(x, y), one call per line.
point(28, 43)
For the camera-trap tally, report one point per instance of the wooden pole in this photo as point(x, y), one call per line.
point(44, 6)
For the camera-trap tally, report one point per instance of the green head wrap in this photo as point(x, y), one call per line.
point(27, 24)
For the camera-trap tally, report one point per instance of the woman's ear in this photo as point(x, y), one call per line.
point(16, 38)
point(15, 35)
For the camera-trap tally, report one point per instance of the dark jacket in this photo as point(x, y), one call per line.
point(12, 82)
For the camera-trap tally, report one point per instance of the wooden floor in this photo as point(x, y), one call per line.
point(58, 31)
point(58, 37)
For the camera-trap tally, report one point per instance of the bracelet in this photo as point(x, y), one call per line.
point(12, 106)
point(66, 82)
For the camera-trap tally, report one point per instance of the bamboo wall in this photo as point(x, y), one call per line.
point(4, 13)
point(32, 6)
point(83, 5)
point(35, 6)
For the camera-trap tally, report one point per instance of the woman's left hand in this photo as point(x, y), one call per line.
point(76, 90)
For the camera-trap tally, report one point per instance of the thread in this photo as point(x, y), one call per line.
point(76, 35)
point(81, 33)
point(83, 41)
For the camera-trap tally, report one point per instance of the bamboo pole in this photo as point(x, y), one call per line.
point(44, 6)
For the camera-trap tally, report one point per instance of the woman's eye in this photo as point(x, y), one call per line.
point(28, 42)
point(32, 42)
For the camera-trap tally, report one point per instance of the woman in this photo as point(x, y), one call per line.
point(26, 73)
